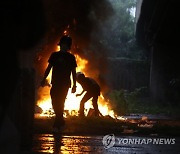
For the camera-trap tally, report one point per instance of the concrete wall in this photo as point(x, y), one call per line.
point(157, 29)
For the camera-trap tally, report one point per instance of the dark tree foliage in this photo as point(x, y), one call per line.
point(119, 31)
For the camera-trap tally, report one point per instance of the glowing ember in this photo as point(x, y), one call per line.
point(72, 102)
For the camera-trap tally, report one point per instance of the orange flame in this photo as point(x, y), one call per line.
point(72, 103)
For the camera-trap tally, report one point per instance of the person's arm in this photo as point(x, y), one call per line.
point(74, 80)
point(80, 93)
point(46, 73)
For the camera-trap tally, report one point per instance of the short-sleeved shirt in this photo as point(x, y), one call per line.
point(90, 85)
point(63, 63)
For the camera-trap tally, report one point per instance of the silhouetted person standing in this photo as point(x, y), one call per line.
point(92, 89)
point(63, 64)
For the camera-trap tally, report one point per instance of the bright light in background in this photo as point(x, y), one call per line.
point(133, 11)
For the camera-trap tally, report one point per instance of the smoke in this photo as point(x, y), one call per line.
point(83, 19)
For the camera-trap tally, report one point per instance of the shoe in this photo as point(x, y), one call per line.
point(81, 115)
point(58, 129)
point(55, 130)
point(61, 128)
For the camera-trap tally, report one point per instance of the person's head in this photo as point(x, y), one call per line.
point(65, 43)
point(80, 77)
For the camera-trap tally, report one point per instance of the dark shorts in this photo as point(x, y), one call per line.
point(95, 92)
point(58, 94)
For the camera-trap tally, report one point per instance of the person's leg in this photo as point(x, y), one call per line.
point(58, 97)
point(59, 120)
point(95, 105)
point(54, 101)
point(86, 97)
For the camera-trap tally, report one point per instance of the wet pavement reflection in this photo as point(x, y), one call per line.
point(56, 144)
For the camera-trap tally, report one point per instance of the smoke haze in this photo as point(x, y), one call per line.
point(83, 20)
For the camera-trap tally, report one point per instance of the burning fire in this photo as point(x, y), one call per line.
point(72, 102)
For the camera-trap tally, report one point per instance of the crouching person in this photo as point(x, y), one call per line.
point(92, 89)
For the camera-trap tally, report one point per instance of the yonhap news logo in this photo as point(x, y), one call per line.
point(110, 140)
point(152, 141)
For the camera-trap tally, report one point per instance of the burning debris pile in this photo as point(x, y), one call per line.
point(83, 24)
point(72, 102)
